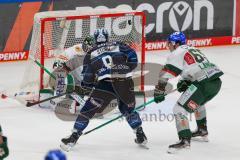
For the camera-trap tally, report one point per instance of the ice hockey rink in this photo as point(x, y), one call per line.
point(32, 132)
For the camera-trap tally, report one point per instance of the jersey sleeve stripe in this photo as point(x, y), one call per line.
point(170, 72)
point(172, 69)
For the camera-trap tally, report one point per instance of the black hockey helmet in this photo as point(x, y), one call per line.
point(88, 43)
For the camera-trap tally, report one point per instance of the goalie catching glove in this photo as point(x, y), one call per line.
point(159, 91)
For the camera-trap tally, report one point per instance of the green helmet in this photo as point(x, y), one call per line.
point(88, 43)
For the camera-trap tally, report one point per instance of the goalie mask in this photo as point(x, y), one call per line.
point(87, 44)
point(101, 36)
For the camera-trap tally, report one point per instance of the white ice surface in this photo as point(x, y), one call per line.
point(33, 131)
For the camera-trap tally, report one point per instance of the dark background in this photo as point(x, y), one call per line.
point(223, 16)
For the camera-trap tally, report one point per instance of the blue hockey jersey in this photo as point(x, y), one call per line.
point(109, 60)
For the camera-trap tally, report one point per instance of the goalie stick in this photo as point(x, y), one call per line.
point(3, 93)
point(30, 104)
point(78, 98)
point(74, 95)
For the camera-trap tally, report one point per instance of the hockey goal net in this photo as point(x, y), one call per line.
point(55, 31)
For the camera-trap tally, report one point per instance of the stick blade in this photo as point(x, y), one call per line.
point(20, 100)
point(29, 104)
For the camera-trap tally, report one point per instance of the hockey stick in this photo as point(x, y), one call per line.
point(120, 116)
point(79, 99)
point(44, 68)
point(30, 104)
point(26, 103)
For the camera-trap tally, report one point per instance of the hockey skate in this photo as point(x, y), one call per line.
point(141, 138)
point(201, 134)
point(184, 143)
point(69, 142)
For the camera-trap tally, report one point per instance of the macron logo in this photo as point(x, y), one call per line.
point(13, 56)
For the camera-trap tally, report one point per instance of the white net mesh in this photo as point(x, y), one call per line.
point(64, 29)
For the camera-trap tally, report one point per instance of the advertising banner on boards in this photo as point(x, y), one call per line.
point(205, 23)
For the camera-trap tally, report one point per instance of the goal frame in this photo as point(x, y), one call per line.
point(43, 21)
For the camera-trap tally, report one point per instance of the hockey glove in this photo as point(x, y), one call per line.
point(183, 85)
point(3, 146)
point(87, 44)
point(159, 92)
point(82, 91)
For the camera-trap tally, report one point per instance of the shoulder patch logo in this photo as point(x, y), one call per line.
point(78, 49)
point(189, 58)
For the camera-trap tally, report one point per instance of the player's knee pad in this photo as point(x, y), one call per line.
point(202, 108)
point(90, 108)
point(44, 94)
point(179, 110)
point(126, 111)
point(200, 113)
point(181, 119)
point(126, 108)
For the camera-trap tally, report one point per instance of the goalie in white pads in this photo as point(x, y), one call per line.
point(200, 83)
point(67, 76)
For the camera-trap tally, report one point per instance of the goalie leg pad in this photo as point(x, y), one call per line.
point(44, 94)
point(64, 84)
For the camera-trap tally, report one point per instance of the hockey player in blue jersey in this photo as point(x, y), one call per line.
point(108, 69)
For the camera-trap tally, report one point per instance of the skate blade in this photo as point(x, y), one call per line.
point(176, 150)
point(143, 145)
point(200, 139)
point(66, 148)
